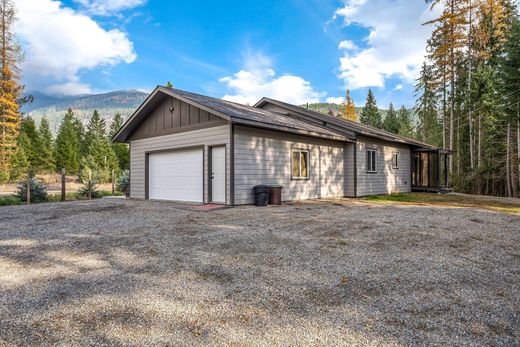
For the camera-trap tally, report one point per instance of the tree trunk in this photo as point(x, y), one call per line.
point(508, 157)
point(518, 148)
point(444, 87)
point(479, 156)
point(470, 116)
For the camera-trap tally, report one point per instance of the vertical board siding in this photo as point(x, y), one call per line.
point(216, 135)
point(387, 180)
point(183, 117)
point(264, 157)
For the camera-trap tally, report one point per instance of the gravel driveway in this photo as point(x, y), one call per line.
point(342, 272)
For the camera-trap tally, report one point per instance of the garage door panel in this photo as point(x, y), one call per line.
point(176, 175)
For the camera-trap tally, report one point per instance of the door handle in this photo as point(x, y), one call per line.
point(212, 175)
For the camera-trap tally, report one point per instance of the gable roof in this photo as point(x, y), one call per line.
point(232, 112)
point(343, 124)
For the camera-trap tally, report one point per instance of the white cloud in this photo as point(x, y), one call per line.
point(258, 79)
point(59, 43)
point(108, 7)
point(347, 45)
point(398, 87)
point(333, 100)
point(395, 45)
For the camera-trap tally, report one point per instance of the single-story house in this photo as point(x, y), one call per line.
point(194, 148)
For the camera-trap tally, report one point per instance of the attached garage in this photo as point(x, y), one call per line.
point(176, 175)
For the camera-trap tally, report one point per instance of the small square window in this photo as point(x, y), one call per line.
point(395, 160)
point(299, 164)
point(371, 160)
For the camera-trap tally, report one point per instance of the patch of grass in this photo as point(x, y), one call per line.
point(10, 200)
point(447, 200)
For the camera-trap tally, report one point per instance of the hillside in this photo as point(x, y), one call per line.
point(324, 107)
point(107, 104)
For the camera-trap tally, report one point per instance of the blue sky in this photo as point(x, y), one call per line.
point(297, 51)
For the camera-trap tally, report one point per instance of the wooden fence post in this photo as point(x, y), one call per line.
point(113, 182)
point(63, 193)
point(28, 192)
point(89, 184)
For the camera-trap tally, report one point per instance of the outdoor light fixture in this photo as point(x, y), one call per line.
point(172, 109)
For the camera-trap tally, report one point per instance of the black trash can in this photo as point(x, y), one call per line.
point(275, 194)
point(261, 195)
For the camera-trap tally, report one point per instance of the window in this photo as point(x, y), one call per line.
point(395, 160)
point(371, 160)
point(300, 164)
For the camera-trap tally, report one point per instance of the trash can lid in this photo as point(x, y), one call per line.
point(275, 186)
point(261, 186)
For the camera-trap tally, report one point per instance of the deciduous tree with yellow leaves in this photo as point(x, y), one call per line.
point(348, 109)
point(10, 89)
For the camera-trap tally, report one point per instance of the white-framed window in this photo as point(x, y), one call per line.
point(371, 160)
point(395, 160)
point(300, 164)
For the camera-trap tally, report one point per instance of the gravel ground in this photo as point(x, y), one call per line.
point(344, 272)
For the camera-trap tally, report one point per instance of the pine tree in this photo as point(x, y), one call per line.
point(370, 114)
point(10, 89)
point(46, 147)
point(391, 122)
point(429, 128)
point(348, 109)
point(31, 143)
point(404, 120)
point(67, 146)
point(99, 157)
point(120, 149)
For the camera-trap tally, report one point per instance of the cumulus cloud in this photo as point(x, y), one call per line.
point(395, 45)
point(347, 45)
point(59, 43)
point(258, 79)
point(333, 100)
point(108, 7)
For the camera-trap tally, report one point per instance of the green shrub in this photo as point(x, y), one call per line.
point(123, 182)
point(38, 190)
point(89, 189)
point(10, 200)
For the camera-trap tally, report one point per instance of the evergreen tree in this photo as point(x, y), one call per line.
point(429, 128)
point(31, 143)
point(46, 147)
point(99, 158)
point(406, 127)
point(120, 149)
point(391, 122)
point(348, 109)
point(67, 146)
point(10, 89)
point(20, 162)
point(370, 114)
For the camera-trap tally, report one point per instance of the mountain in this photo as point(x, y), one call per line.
point(108, 104)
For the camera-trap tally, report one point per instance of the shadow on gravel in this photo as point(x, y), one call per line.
point(127, 272)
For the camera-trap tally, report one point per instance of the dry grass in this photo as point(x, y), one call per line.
point(449, 200)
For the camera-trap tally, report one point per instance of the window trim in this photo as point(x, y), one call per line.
point(397, 155)
point(301, 178)
point(369, 170)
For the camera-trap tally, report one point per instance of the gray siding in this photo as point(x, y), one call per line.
point(387, 180)
point(264, 157)
point(216, 135)
point(349, 169)
point(184, 117)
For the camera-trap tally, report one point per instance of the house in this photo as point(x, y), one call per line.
point(194, 148)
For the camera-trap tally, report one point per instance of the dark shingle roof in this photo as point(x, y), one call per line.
point(243, 114)
point(357, 128)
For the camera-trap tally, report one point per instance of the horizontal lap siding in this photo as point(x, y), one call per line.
point(264, 157)
point(203, 137)
point(387, 180)
point(349, 169)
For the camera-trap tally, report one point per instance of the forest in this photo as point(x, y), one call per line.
point(467, 100)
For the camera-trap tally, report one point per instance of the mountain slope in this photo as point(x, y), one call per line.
point(107, 104)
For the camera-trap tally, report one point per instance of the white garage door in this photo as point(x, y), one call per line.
point(176, 175)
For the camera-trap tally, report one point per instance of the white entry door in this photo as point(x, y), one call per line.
point(218, 174)
point(176, 175)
